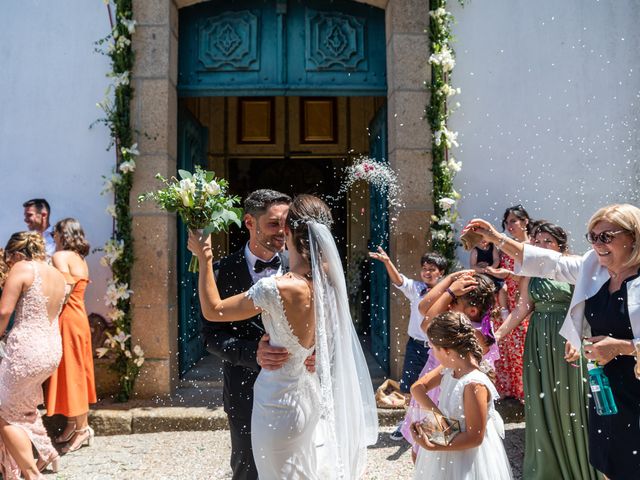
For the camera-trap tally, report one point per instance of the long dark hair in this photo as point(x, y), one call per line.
point(520, 213)
point(555, 231)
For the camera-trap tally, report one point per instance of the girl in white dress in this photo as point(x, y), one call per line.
point(467, 395)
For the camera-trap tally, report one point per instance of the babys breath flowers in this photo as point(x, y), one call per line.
point(201, 201)
point(377, 174)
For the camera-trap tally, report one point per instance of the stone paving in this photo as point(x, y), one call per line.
point(205, 455)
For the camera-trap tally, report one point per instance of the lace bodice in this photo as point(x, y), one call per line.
point(451, 401)
point(265, 295)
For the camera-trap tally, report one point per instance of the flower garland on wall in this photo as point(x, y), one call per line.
point(118, 251)
point(445, 166)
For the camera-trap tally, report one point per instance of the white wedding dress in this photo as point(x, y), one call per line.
point(313, 426)
point(285, 401)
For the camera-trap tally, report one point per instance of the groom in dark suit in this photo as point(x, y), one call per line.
point(243, 346)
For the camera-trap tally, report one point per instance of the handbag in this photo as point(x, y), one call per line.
point(388, 395)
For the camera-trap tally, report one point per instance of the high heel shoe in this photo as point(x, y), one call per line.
point(53, 463)
point(83, 437)
point(68, 436)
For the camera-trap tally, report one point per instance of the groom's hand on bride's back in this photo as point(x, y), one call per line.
point(273, 358)
point(268, 357)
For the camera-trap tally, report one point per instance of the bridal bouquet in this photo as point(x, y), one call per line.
point(201, 200)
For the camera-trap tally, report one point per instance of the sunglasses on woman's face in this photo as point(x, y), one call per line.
point(603, 237)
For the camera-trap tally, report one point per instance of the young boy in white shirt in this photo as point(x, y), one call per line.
point(433, 267)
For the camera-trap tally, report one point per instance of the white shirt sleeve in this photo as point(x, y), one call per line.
point(407, 288)
point(541, 262)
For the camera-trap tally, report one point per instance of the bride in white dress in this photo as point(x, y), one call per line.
point(304, 425)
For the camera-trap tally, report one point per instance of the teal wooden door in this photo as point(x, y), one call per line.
point(192, 151)
point(379, 236)
point(282, 47)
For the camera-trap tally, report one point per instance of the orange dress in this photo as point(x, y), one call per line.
point(72, 386)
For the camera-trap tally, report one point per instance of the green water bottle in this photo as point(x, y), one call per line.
point(601, 390)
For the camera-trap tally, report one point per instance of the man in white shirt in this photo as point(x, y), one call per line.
point(36, 216)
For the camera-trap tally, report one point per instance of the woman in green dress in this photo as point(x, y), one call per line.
point(555, 391)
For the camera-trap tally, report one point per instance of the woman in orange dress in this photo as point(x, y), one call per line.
point(72, 387)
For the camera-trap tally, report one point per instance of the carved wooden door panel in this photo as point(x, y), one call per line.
point(282, 47)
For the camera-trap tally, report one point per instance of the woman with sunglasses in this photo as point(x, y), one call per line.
point(605, 312)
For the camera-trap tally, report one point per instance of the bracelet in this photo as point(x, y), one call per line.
point(450, 292)
point(502, 242)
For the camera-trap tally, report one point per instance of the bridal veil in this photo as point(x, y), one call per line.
point(347, 405)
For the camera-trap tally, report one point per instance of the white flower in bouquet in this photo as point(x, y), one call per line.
point(201, 201)
point(212, 188)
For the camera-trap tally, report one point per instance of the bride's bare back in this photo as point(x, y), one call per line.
point(296, 293)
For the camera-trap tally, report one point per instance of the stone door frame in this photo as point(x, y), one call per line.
point(154, 114)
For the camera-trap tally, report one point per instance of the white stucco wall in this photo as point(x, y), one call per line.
point(549, 108)
point(50, 81)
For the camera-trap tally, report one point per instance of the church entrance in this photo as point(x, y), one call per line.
point(282, 95)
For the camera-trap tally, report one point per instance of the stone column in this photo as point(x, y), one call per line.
point(409, 150)
point(154, 118)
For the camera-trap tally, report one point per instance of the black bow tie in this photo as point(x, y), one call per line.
point(260, 266)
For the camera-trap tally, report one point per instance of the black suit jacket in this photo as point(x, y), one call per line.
point(236, 342)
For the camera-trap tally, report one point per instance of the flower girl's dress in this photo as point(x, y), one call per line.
point(486, 462)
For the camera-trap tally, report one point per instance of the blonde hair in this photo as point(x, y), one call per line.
point(30, 244)
point(625, 216)
point(4, 268)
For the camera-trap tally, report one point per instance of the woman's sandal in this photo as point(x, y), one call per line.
point(84, 437)
point(53, 463)
point(68, 436)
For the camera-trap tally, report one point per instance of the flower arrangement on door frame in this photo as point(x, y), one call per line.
point(444, 165)
point(118, 251)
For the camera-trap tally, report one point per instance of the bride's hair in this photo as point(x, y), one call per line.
point(303, 210)
point(30, 244)
point(454, 331)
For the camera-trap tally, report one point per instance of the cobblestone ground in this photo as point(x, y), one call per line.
point(205, 455)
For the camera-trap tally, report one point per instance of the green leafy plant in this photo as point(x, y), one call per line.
point(119, 249)
point(445, 167)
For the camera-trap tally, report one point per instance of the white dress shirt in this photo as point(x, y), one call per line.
point(588, 276)
point(251, 261)
point(49, 242)
point(412, 289)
